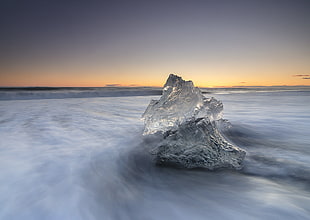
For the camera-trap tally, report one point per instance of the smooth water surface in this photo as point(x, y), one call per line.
point(85, 158)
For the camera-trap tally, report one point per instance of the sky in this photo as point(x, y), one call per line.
point(139, 43)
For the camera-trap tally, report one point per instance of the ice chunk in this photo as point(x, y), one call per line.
point(198, 143)
point(181, 101)
point(189, 124)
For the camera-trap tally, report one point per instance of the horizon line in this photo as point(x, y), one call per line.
point(140, 86)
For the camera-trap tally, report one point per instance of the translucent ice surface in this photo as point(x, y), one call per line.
point(189, 122)
point(180, 101)
point(198, 144)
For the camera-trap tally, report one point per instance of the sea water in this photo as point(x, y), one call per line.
point(84, 157)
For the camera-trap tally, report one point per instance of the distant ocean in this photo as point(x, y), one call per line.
point(79, 153)
point(18, 93)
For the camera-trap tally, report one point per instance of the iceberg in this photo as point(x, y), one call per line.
point(189, 124)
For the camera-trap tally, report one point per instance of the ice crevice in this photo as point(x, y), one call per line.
point(188, 122)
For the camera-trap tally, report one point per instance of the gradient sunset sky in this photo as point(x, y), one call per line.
point(138, 43)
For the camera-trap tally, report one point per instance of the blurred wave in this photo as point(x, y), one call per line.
point(28, 93)
point(87, 159)
point(254, 89)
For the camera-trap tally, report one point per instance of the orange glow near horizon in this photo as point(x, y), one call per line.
point(96, 79)
point(211, 43)
point(210, 76)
